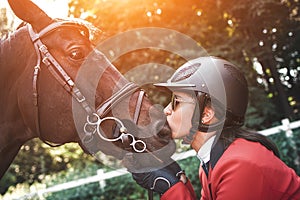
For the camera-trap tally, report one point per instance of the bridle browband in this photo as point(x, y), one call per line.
point(94, 118)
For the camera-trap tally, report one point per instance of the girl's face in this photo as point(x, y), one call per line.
point(179, 114)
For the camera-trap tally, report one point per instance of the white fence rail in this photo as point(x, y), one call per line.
point(101, 176)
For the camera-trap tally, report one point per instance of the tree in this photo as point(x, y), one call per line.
point(243, 32)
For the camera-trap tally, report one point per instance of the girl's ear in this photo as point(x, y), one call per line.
point(208, 115)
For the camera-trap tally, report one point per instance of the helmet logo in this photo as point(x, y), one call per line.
point(185, 72)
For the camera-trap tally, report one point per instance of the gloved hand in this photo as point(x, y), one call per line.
point(159, 180)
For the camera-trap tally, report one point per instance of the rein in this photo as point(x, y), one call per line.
point(94, 119)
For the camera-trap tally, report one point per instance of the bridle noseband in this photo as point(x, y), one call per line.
point(94, 118)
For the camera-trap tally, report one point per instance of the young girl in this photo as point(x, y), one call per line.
point(210, 97)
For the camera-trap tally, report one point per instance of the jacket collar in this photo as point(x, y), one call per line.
point(204, 152)
point(216, 152)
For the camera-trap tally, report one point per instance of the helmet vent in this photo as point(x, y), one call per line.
point(236, 74)
point(185, 72)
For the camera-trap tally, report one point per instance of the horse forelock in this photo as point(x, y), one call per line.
point(94, 32)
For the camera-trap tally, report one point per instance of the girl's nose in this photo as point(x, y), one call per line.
point(168, 110)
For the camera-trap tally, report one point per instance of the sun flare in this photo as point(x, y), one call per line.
point(54, 8)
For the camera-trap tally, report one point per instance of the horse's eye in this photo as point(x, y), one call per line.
point(76, 54)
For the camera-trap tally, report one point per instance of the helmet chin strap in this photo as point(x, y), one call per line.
point(197, 124)
point(212, 127)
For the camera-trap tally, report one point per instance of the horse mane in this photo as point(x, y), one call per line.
point(6, 38)
point(5, 45)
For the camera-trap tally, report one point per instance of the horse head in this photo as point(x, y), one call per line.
point(56, 86)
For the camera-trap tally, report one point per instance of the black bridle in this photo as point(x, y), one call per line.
point(94, 118)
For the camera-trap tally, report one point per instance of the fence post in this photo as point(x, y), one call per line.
point(100, 173)
point(289, 133)
point(40, 196)
point(286, 127)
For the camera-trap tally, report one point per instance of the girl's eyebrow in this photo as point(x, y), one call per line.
point(176, 96)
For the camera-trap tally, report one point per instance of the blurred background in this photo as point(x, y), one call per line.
point(260, 36)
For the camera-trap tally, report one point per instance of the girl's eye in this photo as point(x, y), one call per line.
point(76, 54)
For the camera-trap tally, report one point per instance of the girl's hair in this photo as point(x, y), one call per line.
point(232, 130)
point(230, 134)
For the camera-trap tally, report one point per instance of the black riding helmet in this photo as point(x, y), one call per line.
point(218, 81)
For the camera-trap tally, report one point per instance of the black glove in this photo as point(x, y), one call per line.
point(159, 180)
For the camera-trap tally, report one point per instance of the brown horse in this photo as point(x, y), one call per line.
point(56, 86)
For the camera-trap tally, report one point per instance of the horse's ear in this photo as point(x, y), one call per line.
point(29, 12)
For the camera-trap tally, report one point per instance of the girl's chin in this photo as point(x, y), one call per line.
point(175, 135)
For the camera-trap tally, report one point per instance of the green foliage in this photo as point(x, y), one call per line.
point(289, 148)
point(35, 160)
point(119, 188)
point(81, 192)
point(261, 112)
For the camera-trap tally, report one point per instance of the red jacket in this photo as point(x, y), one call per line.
point(245, 170)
